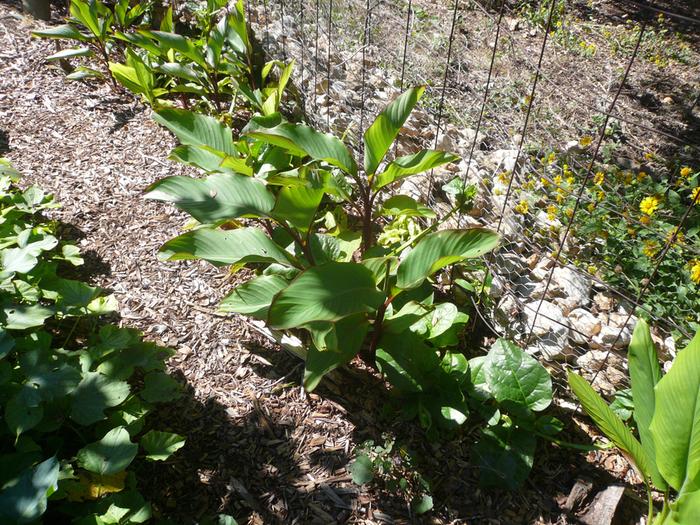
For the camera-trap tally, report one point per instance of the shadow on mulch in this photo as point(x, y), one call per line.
point(252, 468)
point(4, 142)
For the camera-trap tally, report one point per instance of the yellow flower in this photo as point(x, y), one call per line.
point(628, 177)
point(599, 178)
point(591, 207)
point(544, 182)
point(641, 176)
point(649, 204)
point(645, 220)
point(650, 249)
point(569, 212)
point(504, 177)
point(560, 198)
point(585, 140)
point(551, 158)
point(649, 156)
point(592, 268)
point(694, 197)
point(522, 207)
point(631, 232)
point(567, 170)
point(680, 236)
point(551, 212)
point(601, 195)
point(686, 171)
point(570, 180)
point(695, 271)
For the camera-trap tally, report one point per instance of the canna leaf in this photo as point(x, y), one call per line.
point(241, 246)
point(179, 43)
point(411, 165)
point(253, 297)
point(328, 292)
point(645, 373)
point(297, 205)
point(380, 135)
point(217, 197)
point(197, 130)
point(63, 31)
point(675, 427)
point(71, 53)
point(437, 250)
point(609, 423)
point(301, 141)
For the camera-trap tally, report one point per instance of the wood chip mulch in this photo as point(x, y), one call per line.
point(258, 447)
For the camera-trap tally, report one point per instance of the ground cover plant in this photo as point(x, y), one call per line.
point(74, 391)
point(666, 420)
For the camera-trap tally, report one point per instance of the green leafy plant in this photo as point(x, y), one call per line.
point(94, 25)
point(319, 268)
point(74, 396)
point(667, 423)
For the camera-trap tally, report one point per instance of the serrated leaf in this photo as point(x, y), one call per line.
point(516, 377)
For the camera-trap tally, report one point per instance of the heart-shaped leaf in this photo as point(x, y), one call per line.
point(112, 454)
point(161, 445)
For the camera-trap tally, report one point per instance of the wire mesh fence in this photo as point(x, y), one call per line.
point(576, 120)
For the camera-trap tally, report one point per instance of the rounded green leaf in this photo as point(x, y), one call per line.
point(24, 411)
point(26, 500)
point(516, 377)
point(95, 393)
point(161, 445)
point(328, 292)
point(112, 454)
point(362, 469)
point(437, 250)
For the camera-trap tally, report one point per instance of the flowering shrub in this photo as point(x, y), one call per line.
point(625, 219)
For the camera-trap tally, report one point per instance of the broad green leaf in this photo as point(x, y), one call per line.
point(179, 43)
point(219, 196)
point(407, 362)
point(24, 411)
point(609, 423)
point(71, 53)
point(505, 456)
point(62, 31)
point(112, 454)
point(22, 317)
point(675, 426)
point(685, 510)
point(297, 205)
point(362, 469)
point(380, 135)
point(254, 297)
point(422, 504)
point(184, 71)
point(517, 378)
point(327, 292)
point(159, 387)
point(201, 158)
point(645, 373)
point(403, 205)
point(161, 445)
point(19, 260)
point(96, 393)
point(244, 245)
point(403, 167)
point(439, 249)
point(193, 129)
point(301, 141)
point(87, 14)
point(26, 500)
point(128, 78)
point(345, 338)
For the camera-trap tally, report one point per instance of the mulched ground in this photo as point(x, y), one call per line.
point(258, 447)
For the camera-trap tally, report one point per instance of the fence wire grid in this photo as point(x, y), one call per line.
point(529, 94)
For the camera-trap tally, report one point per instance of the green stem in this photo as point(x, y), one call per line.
point(650, 513)
point(425, 232)
point(568, 444)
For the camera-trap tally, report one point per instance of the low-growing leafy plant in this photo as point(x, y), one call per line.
point(74, 396)
point(667, 422)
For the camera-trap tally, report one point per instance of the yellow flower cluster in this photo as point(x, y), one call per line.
point(649, 205)
point(680, 236)
point(685, 172)
point(695, 271)
point(599, 178)
point(650, 249)
point(551, 212)
point(522, 207)
point(694, 197)
point(503, 177)
point(585, 140)
point(558, 180)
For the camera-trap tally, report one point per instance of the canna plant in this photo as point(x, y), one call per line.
point(291, 204)
point(667, 418)
point(94, 25)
